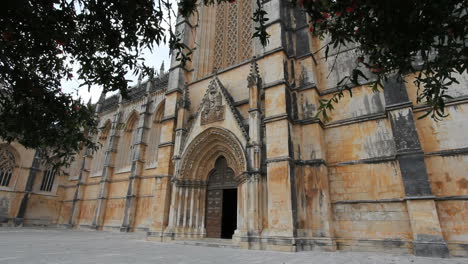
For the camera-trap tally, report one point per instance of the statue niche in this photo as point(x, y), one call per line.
point(213, 109)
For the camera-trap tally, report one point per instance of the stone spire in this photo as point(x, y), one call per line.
point(150, 81)
point(140, 78)
point(102, 97)
point(184, 101)
point(254, 76)
point(161, 70)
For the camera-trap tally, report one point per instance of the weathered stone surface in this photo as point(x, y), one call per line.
point(372, 178)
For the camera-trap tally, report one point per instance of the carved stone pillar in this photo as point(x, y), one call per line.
point(76, 203)
point(36, 162)
point(137, 164)
point(427, 233)
point(107, 171)
point(250, 212)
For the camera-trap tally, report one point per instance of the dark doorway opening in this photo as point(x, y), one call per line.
point(221, 201)
point(229, 216)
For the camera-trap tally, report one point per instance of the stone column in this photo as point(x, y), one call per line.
point(196, 210)
point(281, 185)
point(427, 233)
point(164, 207)
point(202, 210)
point(101, 202)
point(172, 214)
point(250, 190)
point(36, 162)
point(76, 204)
point(191, 213)
point(137, 163)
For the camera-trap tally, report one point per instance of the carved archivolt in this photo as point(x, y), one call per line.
point(200, 156)
point(7, 164)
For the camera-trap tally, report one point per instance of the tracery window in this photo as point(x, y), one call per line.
point(126, 144)
point(48, 180)
point(99, 156)
point(233, 33)
point(154, 139)
point(7, 165)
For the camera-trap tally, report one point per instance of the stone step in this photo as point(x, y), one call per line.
point(211, 242)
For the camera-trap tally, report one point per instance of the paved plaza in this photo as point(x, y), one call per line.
point(28, 245)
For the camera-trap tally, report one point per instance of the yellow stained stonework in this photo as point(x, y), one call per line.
point(230, 143)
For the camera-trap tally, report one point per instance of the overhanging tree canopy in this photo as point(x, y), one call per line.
point(41, 40)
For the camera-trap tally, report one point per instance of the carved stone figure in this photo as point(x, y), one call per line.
point(308, 110)
point(213, 109)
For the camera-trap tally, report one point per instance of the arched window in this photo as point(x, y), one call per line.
point(100, 154)
point(48, 180)
point(154, 139)
point(126, 143)
point(7, 165)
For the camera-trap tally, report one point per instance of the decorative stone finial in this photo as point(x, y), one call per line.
point(151, 74)
point(150, 81)
point(161, 70)
point(254, 76)
point(140, 78)
point(184, 101)
point(102, 97)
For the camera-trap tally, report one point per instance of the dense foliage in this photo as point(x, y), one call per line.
point(41, 40)
point(398, 36)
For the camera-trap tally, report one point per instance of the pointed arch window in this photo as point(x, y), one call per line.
point(7, 166)
point(100, 155)
point(233, 33)
point(154, 139)
point(126, 144)
point(48, 180)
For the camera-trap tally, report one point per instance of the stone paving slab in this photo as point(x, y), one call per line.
point(34, 245)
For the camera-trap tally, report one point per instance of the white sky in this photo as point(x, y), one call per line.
point(153, 59)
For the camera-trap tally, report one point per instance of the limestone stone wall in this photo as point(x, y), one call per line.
point(373, 177)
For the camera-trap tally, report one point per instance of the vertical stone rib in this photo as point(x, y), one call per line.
point(137, 164)
point(192, 205)
point(427, 233)
point(29, 187)
point(173, 211)
point(100, 209)
point(75, 209)
point(196, 209)
point(185, 210)
point(203, 210)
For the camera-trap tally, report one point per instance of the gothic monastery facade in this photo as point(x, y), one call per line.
point(228, 146)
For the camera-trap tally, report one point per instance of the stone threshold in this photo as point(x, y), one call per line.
point(207, 242)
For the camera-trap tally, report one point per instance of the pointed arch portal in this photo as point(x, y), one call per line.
point(205, 199)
